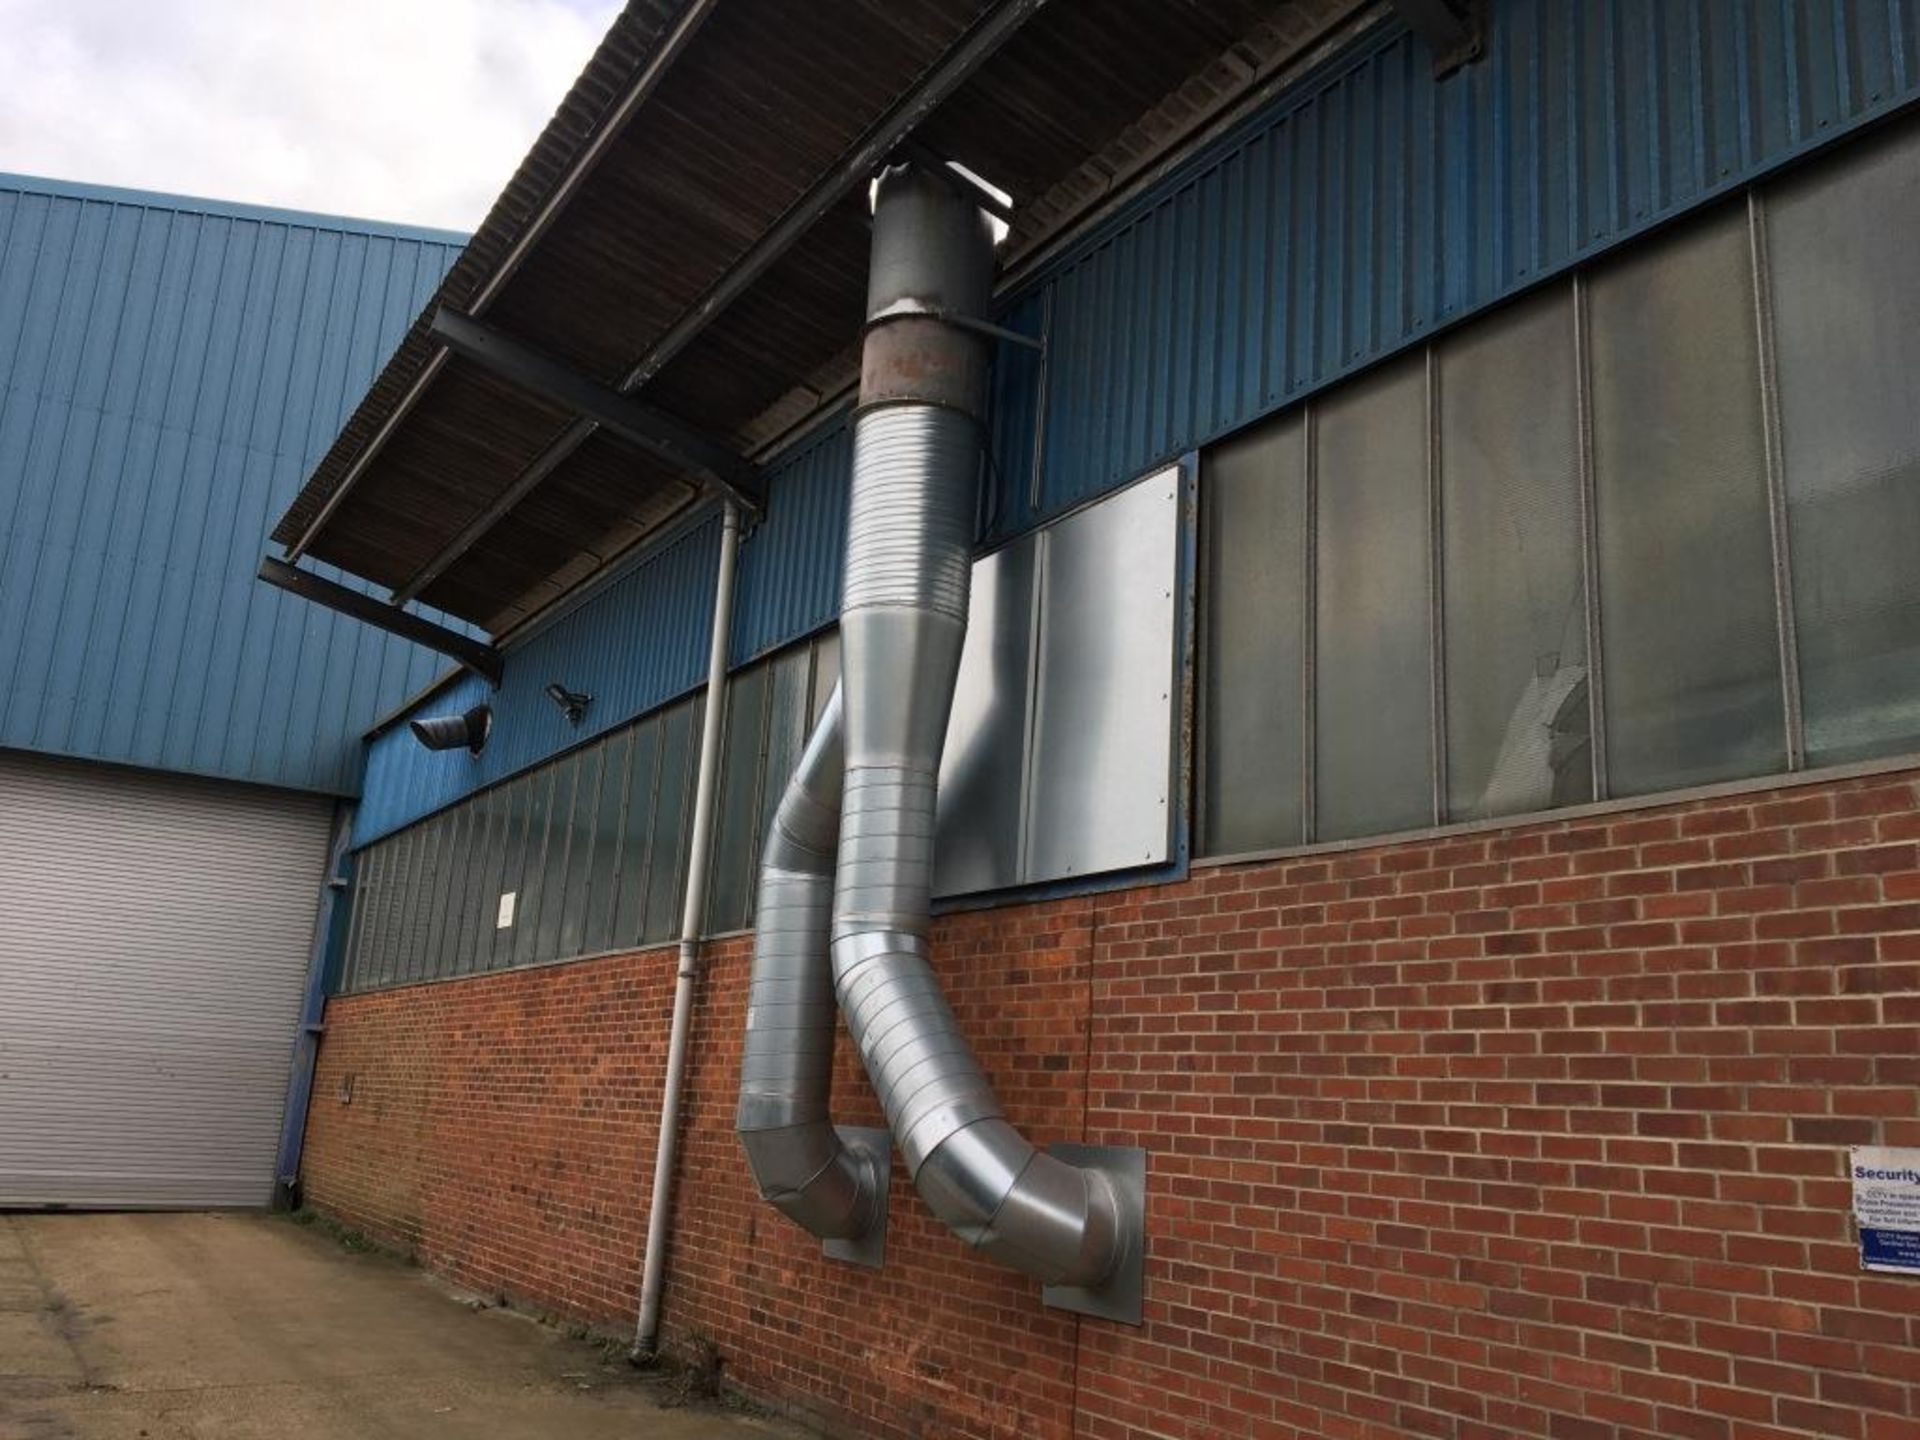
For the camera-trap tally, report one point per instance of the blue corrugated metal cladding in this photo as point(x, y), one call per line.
point(1374, 205)
point(633, 646)
point(169, 372)
point(638, 643)
point(1357, 214)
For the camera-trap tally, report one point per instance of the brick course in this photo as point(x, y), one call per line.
point(1538, 1132)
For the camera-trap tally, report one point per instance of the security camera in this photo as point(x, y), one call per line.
point(450, 732)
point(573, 703)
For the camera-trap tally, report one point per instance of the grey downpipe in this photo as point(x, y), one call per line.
point(692, 919)
point(803, 1166)
point(917, 454)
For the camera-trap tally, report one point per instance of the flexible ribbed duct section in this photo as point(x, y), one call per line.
point(916, 464)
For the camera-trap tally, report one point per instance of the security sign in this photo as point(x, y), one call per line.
point(1886, 1203)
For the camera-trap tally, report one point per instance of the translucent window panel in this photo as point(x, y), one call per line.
point(1688, 632)
point(447, 945)
point(1373, 724)
point(577, 876)
point(790, 720)
point(513, 862)
point(426, 903)
point(1514, 602)
point(452, 863)
point(366, 896)
point(404, 910)
point(601, 870)
point(826, 672)
point(1253, 637)
point(1846, 269)
point(742, 753)
point(420, 905)
point(568, 776)
point(485, 901)
point(388, 909)
point(643, 777)
point(666, 869)
point(474, 893)
point(540, 804)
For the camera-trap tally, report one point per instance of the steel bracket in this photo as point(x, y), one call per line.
point(874, 1145)
point(1122, 1296)
point(1454, 30)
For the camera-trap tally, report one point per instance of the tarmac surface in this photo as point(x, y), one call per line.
point(234, 1326)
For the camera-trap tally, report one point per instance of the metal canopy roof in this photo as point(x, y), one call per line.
point(676, 274)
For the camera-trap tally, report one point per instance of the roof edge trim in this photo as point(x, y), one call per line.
point(229, 209)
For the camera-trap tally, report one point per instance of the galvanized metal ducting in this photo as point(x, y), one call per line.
point(831, 1182)
point(918, 438)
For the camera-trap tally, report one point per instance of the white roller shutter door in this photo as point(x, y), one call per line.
point(154, 935)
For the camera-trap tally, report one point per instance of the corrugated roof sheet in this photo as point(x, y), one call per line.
point(750, 105)
point(169, 371)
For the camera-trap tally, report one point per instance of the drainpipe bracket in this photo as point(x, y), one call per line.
point(874, 1145)
point(1122, 1295)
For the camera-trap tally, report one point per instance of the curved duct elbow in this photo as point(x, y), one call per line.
point(803, 1166)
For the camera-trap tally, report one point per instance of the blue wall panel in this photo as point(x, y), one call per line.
point(637, 643)
point(170, 370)
point(1375, 204)
point(790, 563)
point(633, 646)
point(1354, 216)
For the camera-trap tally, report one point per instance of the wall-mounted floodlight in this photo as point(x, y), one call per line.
point(573, 703)
point(450, 732)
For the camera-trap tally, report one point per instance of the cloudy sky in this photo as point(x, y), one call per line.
point(404, 110)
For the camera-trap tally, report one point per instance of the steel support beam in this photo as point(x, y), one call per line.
point(671, 49)
point(852, 171)
point(1455, 30)
point(476, 655)
point(650, 428)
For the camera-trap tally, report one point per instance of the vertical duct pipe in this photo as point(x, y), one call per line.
point(918, 436)
point(692, 921)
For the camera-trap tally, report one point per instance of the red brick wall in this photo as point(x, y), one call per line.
point(1537, 1133)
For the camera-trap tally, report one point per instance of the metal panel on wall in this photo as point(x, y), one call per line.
point(983, 768)
point(1102, 768)
point(1059, 756)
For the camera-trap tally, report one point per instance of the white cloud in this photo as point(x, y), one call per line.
point(403, 110)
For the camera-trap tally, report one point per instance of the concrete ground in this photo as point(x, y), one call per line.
point(229, 1327)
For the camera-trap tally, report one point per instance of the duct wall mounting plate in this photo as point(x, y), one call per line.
point(870, 1250)
point(1122, 1296)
